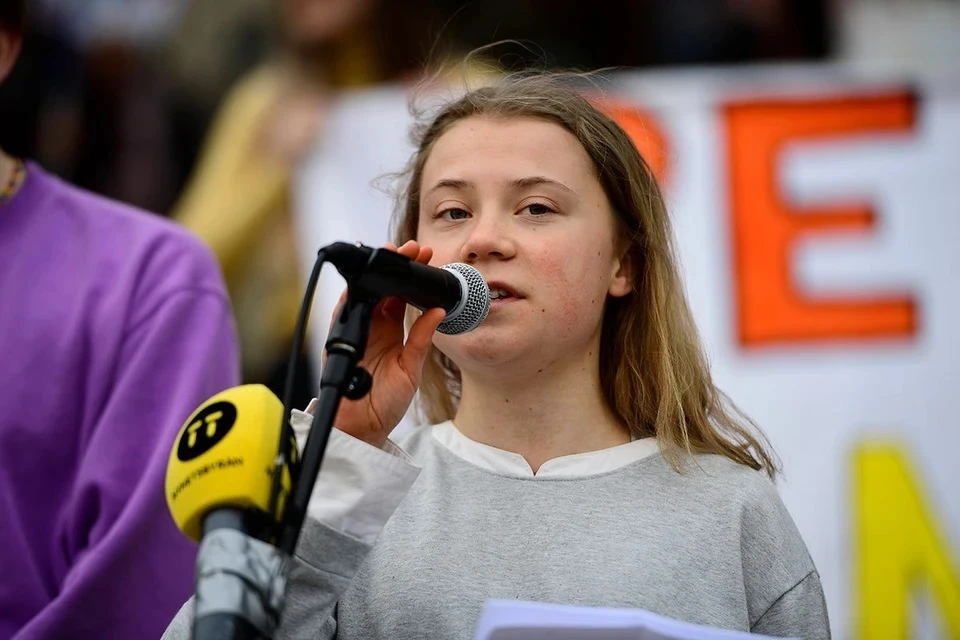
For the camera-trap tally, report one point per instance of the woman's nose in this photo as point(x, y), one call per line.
point(488, 239)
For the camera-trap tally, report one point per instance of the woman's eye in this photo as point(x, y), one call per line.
point(538, 209)
point(453, 214)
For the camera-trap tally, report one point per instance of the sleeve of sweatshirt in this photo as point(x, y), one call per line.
point(130, 568)
point(356, 493)
point(801, 612)
point(784, 595)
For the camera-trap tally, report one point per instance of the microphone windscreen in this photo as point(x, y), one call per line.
point(224, 456)
point(474, 304)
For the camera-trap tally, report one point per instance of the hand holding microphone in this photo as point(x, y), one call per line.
point(381, 377)
point(396, 366)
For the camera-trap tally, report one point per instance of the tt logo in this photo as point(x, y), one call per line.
point(210, 421)
point(208, 427)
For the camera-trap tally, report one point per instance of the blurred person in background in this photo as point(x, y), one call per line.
point(627, 33)
point(115, 326)
point(740, 31)
point(92, 100)
point(239, 198)
point(211, 46)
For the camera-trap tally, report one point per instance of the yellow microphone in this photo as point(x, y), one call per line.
point(218, 485)
point(224, 457)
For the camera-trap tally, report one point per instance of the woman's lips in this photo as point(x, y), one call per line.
point(502, 294)
point(499, 303)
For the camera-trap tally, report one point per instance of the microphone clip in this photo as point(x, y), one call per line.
point(359, 385)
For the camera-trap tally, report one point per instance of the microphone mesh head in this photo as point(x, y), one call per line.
point(475, 305)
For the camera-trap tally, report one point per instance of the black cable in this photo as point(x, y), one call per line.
point(287, 440)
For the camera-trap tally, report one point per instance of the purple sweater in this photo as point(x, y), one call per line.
point(114, 326)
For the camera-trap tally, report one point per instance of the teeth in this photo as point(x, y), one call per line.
point(496, 294)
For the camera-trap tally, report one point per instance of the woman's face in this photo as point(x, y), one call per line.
point(519, 199)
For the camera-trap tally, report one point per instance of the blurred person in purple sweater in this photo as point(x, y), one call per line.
point(114, 326)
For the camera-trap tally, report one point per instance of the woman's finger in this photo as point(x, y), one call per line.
point(409, 249)
point(418, 342)
point(424, 255)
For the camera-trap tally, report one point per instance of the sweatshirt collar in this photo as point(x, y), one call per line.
point(508, 463)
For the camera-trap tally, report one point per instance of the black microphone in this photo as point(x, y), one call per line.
point(457, 288)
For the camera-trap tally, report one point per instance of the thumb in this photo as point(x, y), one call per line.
point(419, 340)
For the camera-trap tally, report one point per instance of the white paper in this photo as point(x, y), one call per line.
point(515, 620)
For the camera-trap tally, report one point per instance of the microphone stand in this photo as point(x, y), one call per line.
point(345, 346)
point(242, 578)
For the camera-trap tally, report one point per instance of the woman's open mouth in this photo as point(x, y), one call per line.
point(501, 294)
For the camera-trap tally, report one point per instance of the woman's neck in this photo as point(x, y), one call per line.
point(557, 411)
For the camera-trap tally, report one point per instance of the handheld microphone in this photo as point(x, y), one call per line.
point(457, 288)
point(218, 489)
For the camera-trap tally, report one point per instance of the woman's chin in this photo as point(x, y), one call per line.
point(481, 348)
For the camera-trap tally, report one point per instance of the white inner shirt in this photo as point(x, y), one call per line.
point(513, 464)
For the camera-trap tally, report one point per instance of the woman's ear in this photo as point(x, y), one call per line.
point(623, 271)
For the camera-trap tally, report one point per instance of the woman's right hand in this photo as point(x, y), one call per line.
point(396, 366)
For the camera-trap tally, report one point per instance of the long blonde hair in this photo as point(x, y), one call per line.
point(653, 370)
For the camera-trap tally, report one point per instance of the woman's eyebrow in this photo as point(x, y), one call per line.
point(519, 183)
point(450, 183)
point(533, 181)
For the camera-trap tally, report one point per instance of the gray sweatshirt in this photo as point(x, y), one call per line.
point(713, 545)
